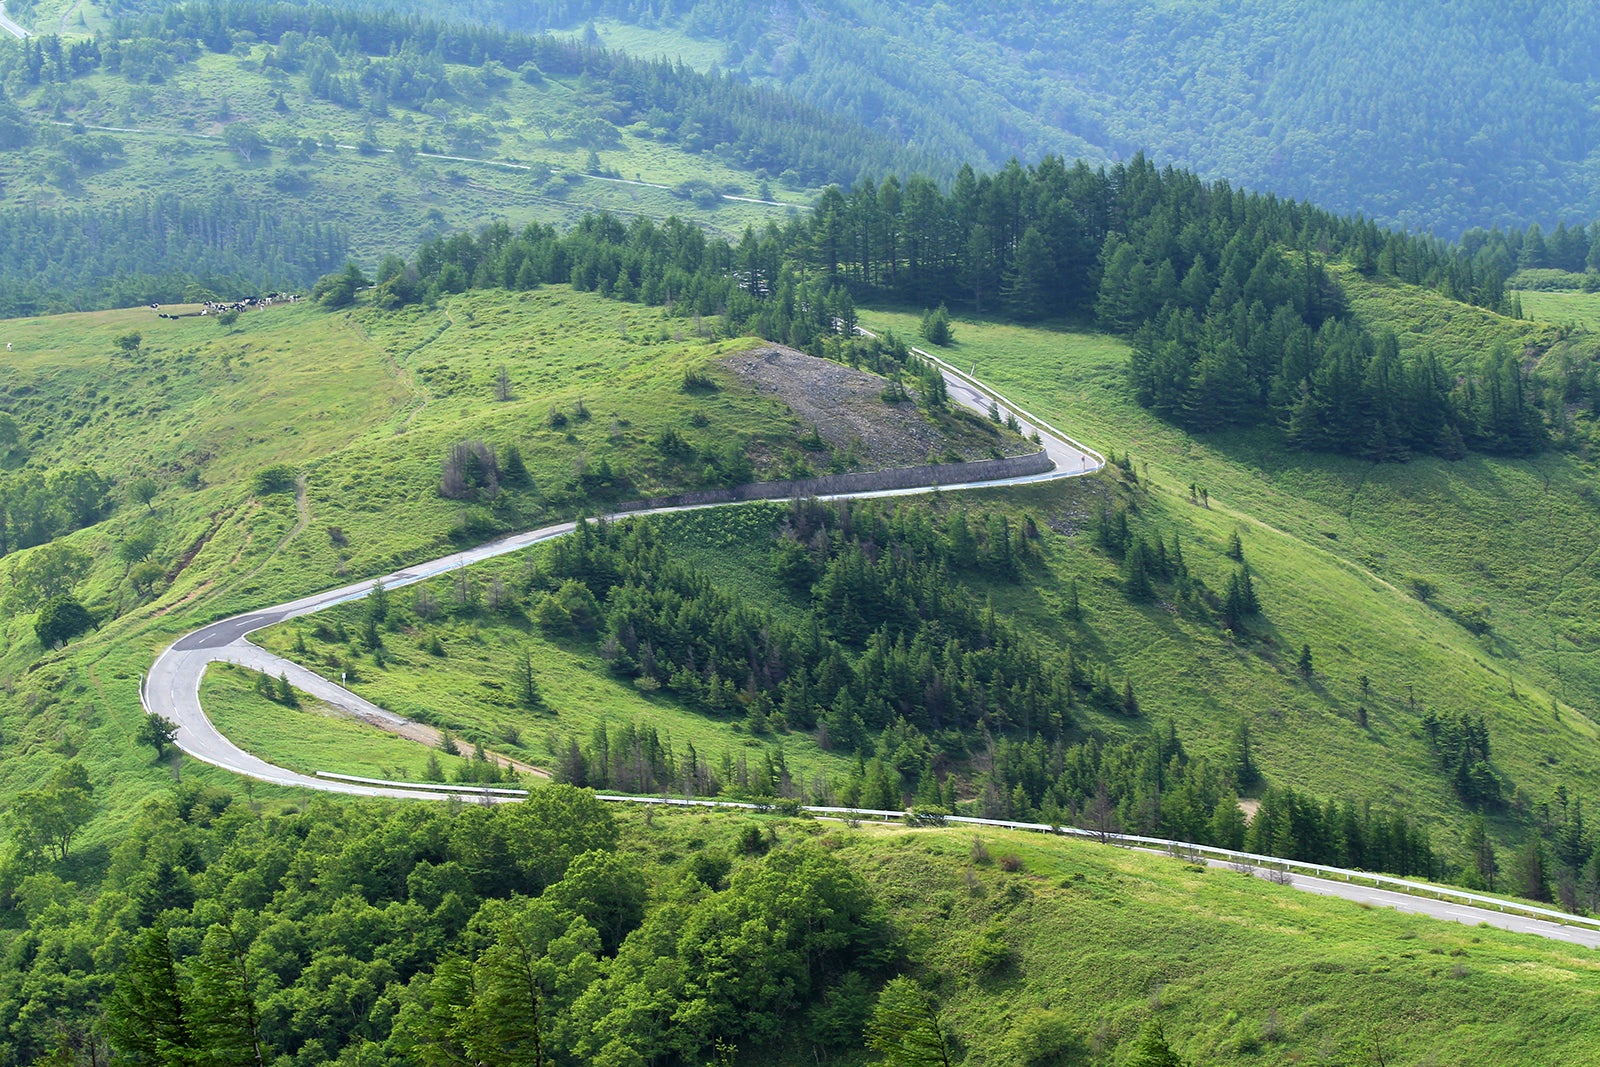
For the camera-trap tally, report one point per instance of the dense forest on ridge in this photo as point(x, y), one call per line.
point(1234, 317)
point(1402, 113)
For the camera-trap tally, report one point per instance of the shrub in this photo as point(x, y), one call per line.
point(695, 381)
point(278, 478)
point(936, 327)
point(60, 620)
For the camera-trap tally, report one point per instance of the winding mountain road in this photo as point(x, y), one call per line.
point(172, 689)
point(172, 686)
point(9, 26)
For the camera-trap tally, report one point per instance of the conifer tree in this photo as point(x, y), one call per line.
point(146, 1018)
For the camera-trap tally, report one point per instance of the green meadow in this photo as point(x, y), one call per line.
point(1340, 549)
point(521, 167)
point(1100, 940)
point(1377, 568)
point(363, 407)
point(311, 737)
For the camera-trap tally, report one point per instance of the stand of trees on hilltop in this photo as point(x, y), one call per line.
point(1234, 319)
point(160, 249)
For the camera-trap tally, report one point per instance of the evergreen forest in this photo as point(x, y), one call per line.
point(295, 295)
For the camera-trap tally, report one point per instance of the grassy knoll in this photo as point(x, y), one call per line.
point(1459, 334)
point(312, 737)
point(650, 41)
point(1571, 309)
point(364, 407)
point(1338, 547)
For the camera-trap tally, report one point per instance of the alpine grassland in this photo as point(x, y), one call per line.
point(1331, 598)
point(1426, 585)
point(1573, 310)
point(298, 449)
point(1045, 947)
point(309, 736)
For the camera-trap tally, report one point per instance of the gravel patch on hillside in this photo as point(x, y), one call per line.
point(845, 406)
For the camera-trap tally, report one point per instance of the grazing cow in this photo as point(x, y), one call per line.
point(8, 346)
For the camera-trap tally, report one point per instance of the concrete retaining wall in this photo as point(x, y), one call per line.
point(981, 470)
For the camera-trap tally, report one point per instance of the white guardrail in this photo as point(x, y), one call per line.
point(1021, 413)
point(1178, 848)
point(492, 794)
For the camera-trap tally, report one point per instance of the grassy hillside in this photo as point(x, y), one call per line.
point(518, 163)
point(1573, 311)
point(1459, 334)
point(1036, 949)
point(363, 408)
point(1376, 568)
point(1340, 549)
point(1095, 942)
point(1030, 943)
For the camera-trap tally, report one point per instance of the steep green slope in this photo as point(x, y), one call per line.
point(1397, 113)
point(1375, 567)
point(390, 933)
point(1341, 549)
point(366, 408)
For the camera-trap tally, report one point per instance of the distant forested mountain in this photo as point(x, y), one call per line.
point(163, 151)
point(1442, 117)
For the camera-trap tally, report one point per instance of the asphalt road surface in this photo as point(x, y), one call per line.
point(172, 687)
point(11, 27)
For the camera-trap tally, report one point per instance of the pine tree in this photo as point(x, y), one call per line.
point(935, 327)
point(1233, 605)
point(1247, 593)
point(1153, 1050)
point(1245, 771)
point(1031, 278)
point(145, 1016)
point(526, 685)
point(1529, 877)
point(226, 1018)
point(1481, 851)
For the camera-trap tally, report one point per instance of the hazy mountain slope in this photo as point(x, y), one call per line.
point(1412, 114)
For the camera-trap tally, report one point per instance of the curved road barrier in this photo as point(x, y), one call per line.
point(172, 688)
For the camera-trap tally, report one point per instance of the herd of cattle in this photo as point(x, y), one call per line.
point(217, 307)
